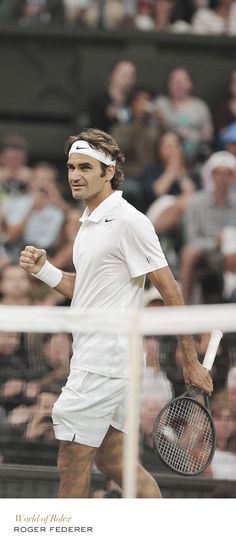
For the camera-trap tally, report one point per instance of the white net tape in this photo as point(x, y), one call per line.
point(168, 320)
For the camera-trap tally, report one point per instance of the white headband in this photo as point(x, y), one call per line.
point(83, 147)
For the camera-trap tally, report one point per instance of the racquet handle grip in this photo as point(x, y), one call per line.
point(212, 347)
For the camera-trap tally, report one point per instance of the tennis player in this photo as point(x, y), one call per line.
point(115, 248)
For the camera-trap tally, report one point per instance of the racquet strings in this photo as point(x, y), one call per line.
point(184, 436)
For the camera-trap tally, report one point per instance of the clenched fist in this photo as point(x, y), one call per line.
point(32, 259)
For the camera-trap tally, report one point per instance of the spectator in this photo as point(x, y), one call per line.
point(113, 494)
point(38, 219)
point(82, 13)
point(29, 398)
point(97, 493)
point(112, 489)
point(231, 389)
point(108, 489)
point(56, 354)
point(184, 9)
point(166, 17)
point(15, 286)
point(28, 12)
point(18, 395)
point(152, 343)
point(29, 438)
point(18, 383)
point(15, 179)
point(64, 256)
point(15, 175)
point(227, 138)
point(48, 356)
point(12, 392)
point(111, 105)
point(137, 138)
point(12, 365)
point(169, 175)
point(163, 13)
point(182, 112)
point(4, 256)
point(21, 382)
point(208, 212)
point(108, 14)
point(113, 15)
point(228, 248)
point(74, 8)
point(39, 425)
point(143, 19)
point(224, 463)
point(225, 113)
point(156, 392)
point(231, 442)
point(231, 343)
point(218, 18)
point(166, 214)
point(167, 186)
point(223, 467)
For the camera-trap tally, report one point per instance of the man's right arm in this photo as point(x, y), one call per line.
point(66, 285)
point(34, 261)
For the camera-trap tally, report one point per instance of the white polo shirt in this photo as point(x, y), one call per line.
point(114, 249)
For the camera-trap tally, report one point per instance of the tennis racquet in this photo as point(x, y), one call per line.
point(184, 432)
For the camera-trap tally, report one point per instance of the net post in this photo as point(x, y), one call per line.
point(131, 439)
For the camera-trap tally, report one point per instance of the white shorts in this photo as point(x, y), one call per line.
point(89, 403)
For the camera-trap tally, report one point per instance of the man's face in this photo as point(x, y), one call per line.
point(86, 178)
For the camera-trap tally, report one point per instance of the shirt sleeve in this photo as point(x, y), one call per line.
point(141, 247)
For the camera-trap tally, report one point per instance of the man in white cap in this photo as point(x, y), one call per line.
point(210, 221)
point(115, 248)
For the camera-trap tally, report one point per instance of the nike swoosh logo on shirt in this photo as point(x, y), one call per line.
point(109, 219)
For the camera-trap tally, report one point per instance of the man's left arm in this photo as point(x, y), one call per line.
point(194, 373)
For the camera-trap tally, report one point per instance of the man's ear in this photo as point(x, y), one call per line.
point(110, 172)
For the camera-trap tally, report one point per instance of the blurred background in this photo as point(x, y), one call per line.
point(160, 76)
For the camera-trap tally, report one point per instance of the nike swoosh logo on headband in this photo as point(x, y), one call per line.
point(80, 148)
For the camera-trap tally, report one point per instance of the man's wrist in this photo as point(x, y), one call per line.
point(49, 274)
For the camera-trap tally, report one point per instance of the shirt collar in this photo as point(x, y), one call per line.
point(102, 209)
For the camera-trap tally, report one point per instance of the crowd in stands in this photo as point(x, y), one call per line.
point(181, 172)
point(212, 17)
